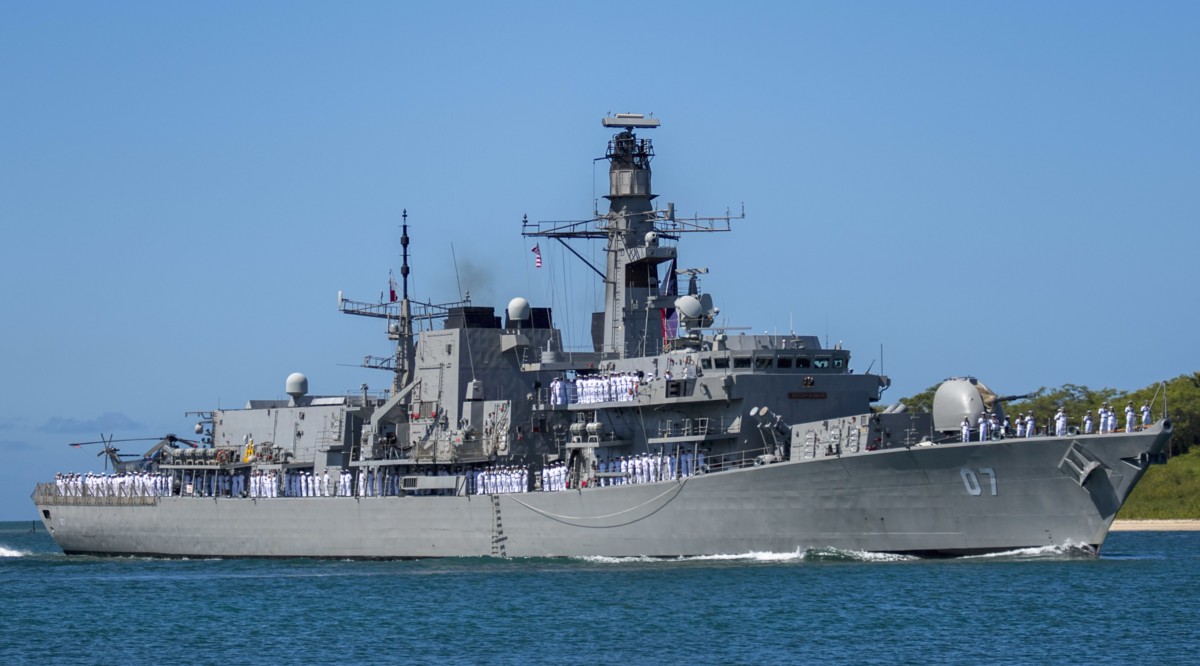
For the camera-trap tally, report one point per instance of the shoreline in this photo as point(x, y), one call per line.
point(1173, 525)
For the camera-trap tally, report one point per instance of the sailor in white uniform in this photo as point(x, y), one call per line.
point(966, 429)
point(1129, 418)
point(984, 425)
point(1087, 422)
point(1060, 422)
point(1146, 415)
point(1029, 423)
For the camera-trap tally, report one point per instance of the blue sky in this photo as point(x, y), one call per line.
point(1002, 189)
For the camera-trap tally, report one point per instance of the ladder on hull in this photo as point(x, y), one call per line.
point(498, 537)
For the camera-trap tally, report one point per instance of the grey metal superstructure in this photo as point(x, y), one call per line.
point(668, 436)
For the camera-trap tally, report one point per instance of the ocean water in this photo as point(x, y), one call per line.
point(1136, 603)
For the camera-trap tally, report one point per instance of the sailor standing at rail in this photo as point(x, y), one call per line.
point(1129, 418)
point(983, 427)
point(966, 429)
point(1102, 415)
point(1112, 419)
point(1087, 422)
point(1029, 423)
point(1145, 415)
point(1060, 422)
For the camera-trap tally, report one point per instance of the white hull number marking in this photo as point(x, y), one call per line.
point(971, 481)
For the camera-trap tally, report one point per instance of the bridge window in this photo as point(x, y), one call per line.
point(741, 362)
point(721, 363)
point(839, 362)
point(706, 363)
point(784, 362)
point(803, 362)
point(763, 363)
point(821, 362)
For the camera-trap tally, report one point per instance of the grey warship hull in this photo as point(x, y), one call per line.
point(665, 436)
point(933, 501)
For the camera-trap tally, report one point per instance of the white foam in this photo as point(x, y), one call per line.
point(1065, 550)
point(809, 555)
point(9, 552)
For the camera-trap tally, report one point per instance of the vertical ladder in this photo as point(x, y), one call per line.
point(498, 537)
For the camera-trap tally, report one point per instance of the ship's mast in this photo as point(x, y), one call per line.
point(405, 352)
point(401, 320)
point(633, 303)
point(631, 275)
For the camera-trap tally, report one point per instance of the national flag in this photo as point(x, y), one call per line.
point(670, 318)
point(537, 252)
point(392, 286)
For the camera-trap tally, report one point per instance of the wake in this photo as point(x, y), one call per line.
point(9, 552)
point(799, 555)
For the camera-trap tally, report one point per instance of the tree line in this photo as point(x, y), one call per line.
point(1182, 395)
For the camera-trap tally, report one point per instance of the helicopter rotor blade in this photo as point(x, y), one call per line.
point(110, 441)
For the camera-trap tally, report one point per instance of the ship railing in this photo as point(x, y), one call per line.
point(736, 459)
point(698, 427)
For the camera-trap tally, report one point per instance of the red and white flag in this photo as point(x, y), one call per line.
point(392, 286)
point(537, 253)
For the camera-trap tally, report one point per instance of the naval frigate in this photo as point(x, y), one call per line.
point(666, 436)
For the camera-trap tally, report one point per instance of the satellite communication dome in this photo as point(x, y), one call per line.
point(690, 306)
point(651, 239)
point(297, 385)
point(518, 309)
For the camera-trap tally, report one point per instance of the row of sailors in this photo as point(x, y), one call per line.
point(1107, 417)
point(588, 389)
point(989, 427)
point(649, 467)
point(644, 468)
point(258, 484)
point(494, 480)
point(128, 484)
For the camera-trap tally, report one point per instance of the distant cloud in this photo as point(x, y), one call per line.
point(10, 423)
point(14, 445)
point(105, 423)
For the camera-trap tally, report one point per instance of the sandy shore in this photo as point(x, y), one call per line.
point(1155, 525)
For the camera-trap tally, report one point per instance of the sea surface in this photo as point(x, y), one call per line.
point(1138, 602)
